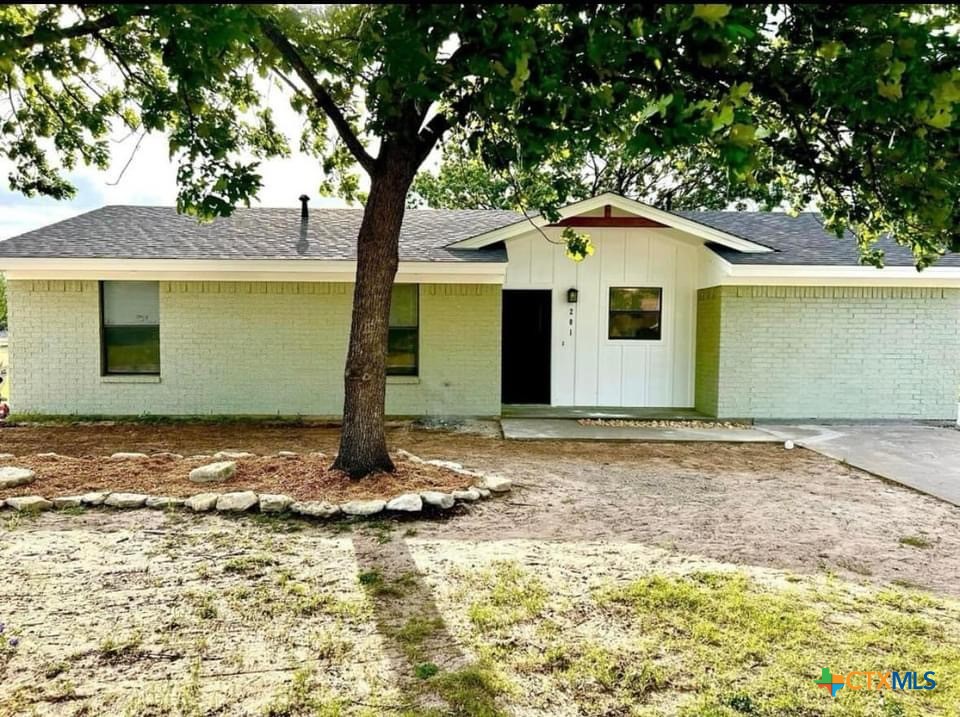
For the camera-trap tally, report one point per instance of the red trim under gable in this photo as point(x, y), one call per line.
point(607, 220)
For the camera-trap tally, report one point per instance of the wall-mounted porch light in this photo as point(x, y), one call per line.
point(572, 295)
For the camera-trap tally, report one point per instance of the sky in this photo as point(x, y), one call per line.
point(150, 179)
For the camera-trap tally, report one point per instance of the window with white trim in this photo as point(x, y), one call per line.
point(635, 313)
point(130, 328)
point(403, 346)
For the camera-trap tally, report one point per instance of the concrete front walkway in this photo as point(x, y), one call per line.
point(925, 458)
point(533, 429)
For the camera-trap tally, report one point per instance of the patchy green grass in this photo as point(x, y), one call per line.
point(377, 586)
point(471, 691)
point(303, 696)
point(916, 541)
point(250, 565)
point(116, 649)
point(718, 644)
point(503, 596)
point(414, 633)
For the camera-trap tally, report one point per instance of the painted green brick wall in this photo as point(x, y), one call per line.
point(829, 352)
point(248, 348)
point(707, 378)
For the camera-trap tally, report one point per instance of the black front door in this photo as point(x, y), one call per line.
point(526, 346)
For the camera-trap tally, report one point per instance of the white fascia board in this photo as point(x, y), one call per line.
point(628, 205)
point(801, 275)
point(245, 270)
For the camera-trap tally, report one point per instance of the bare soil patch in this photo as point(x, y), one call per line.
point(169, 613)
point(301, 477)
point(749, 504)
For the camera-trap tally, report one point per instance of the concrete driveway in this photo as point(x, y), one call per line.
point(925, 458)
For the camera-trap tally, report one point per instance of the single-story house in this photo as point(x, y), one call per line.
point(133, 310)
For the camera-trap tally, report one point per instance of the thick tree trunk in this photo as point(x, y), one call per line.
point(363, 442)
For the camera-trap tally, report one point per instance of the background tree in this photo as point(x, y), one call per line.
point(685, 178)
point(851, 105)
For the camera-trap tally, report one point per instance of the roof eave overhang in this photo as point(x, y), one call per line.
point(813, 275)
point(668, 219)
point(439, 272)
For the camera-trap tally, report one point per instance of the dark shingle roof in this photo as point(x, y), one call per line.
point(799, 240)
point(130, 232)
point(133, 232)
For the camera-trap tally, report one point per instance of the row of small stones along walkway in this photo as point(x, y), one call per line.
point(243, 501)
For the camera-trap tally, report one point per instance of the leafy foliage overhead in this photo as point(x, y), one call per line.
point(853, 107)
point(685, 178)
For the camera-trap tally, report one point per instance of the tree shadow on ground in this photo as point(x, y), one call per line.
point(437, 674)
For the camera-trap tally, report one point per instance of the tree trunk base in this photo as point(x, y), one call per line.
point(357, 467)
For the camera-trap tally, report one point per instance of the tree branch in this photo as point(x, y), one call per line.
point(46, 34)
point(320, 95)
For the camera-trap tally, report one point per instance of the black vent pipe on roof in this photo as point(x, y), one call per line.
point(304, 213)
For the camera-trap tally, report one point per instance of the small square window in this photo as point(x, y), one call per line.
point(635, 313)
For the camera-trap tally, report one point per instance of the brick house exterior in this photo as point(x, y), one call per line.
point(739, 315)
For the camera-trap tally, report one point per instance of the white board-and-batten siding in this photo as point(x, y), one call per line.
point(588, 368)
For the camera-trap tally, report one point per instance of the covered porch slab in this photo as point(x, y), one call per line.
point(541, 429)
point(628, 413)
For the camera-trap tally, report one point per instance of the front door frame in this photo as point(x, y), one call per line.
point(546, 296)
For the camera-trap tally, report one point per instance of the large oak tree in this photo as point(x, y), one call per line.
point(849, 106)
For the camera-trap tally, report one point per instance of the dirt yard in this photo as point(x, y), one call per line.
point(615, 579)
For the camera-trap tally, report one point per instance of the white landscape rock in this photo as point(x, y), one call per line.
point(407, 503)
point(49, 455)
point(287, 454)
point(437, 499)
point(484, 492)
point(68, 501)
point(29, 503)
point(214, 472)
point(318, 454)
point(449, 465)
point(94, 498)
point(498, 484)
point(7, 456)
point(11, 477)
point(128, 456)
point(237, 502)
point(126, 500)
point(363, 507)
point(164, 501)
point(408, 456)
point(469, 495)
point(274, 503)
point(231, 455)
point(202, 502)
point(315, 508)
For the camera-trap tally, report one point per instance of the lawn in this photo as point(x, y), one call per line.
point(543, 603)
point(191, 615)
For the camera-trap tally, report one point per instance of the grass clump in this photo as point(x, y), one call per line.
point(471, 691)
point(303, 696)
point(916, 541)
point(507, 595)
point(117, 649)
point(250, 565)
